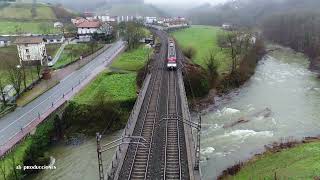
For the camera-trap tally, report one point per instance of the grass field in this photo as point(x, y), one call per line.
point(72, 53)
point(204, 40)
point(132, 60)
point(11, 27)
point(301, 162)
point(23, 11)
point(114, 87)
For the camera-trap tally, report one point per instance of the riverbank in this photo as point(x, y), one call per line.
point(208, 70)
point(279, 100)
point(292, 159)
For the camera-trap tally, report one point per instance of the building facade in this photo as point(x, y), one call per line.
point(31, 50)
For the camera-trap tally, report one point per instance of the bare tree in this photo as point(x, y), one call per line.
point(38, 70)
point(238, 43)
point(2, 92)
point(15, 78)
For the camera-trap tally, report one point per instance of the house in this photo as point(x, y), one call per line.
point(88, 27)
point(58, 25)
point(31, 50)
point(78, 20)
point(5, 41)
point(150, 20)
point(227, 26)
point(53, 39)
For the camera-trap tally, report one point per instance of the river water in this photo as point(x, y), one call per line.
point(77, 162)
point(280, 102)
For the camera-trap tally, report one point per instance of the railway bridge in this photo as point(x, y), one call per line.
point(160, 140)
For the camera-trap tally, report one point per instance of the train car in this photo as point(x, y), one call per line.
point(172, 55)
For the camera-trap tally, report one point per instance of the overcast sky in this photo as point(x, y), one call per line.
point(197, 2)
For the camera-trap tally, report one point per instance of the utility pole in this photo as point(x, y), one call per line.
point(109, 146)
point(197, 163)
point(101, 173)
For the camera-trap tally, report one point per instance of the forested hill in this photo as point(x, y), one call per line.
point(247, 12)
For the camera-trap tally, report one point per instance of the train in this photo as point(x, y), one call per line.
point(172, 55)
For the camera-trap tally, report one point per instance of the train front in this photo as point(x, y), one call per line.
point(172, 56)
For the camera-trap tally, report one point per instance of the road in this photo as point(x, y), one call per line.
point(11, 124)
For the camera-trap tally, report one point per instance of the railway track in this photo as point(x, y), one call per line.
point(163, 155)
point(141, 159)
point(172, 149)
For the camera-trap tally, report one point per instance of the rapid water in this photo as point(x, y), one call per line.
point(281, 101)
point(77, 162)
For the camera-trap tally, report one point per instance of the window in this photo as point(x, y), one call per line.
point(27, 51)
point(28, 57)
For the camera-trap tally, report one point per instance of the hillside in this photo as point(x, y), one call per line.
point(131, 9)
point(23, 12)
point(247, 12)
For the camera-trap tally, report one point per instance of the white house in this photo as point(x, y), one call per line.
point(31, 50)
point(58, 25)
point(150, 20)
point(53, 38)
point(88, 27)
point(4, 41)
point(227, 26)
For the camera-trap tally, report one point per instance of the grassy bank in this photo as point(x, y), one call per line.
point(300, 162)
point(105, 104)
point(204, 40)
point(132, 60)
point(72, 53)
point(30, 152)
point(113, 87)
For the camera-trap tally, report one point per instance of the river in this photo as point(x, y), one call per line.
point(280, 102)
point(77, 162)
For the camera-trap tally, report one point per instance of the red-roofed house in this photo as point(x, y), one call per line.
point(88, 27)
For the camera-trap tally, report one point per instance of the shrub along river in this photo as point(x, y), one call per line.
point(281, 100)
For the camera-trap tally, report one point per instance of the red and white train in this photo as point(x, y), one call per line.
point(172, 55)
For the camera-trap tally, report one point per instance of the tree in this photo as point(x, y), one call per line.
point(15, 77)
point(2, 92)
point(238, 43)
point(38, 67)
point(93, 45)
point(212, 68)
point(132, 32)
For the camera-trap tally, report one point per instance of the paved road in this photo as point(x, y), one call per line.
point(11, 124)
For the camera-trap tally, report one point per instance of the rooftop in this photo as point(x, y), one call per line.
point(89, 24)
point(29, 40)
